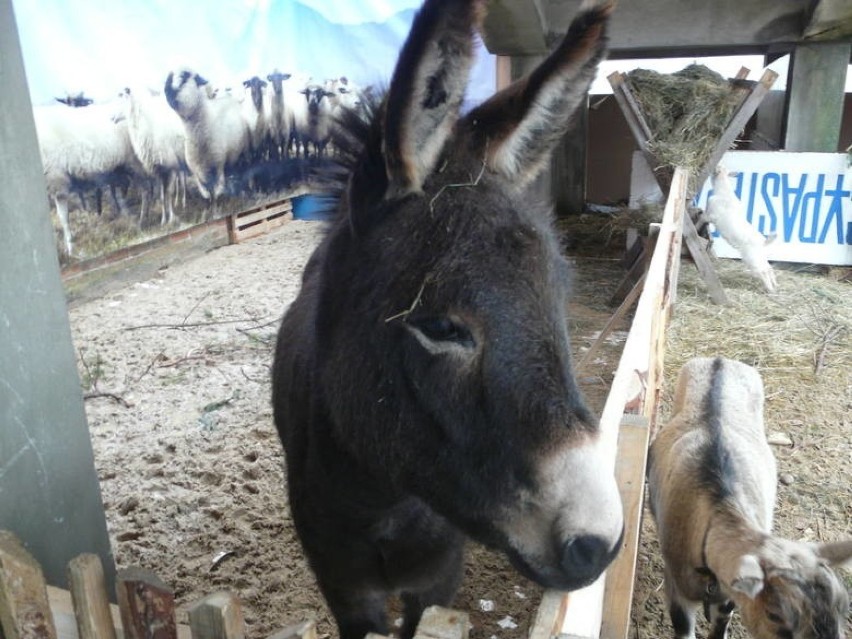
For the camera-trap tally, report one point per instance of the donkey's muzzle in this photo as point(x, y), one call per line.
point(585, 557)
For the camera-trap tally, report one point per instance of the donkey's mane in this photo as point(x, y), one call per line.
point(357, 140)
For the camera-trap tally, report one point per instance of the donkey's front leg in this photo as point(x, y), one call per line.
point(357, 613)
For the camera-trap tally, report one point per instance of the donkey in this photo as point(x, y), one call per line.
point(422, 383)
point(712, 488)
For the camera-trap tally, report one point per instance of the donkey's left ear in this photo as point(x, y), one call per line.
point(518, 127)
point(836, 553)
point(426, 90)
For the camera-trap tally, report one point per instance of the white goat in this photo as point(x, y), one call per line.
point(727, 214)
point(712, 488)
point(158, 139)
point(82, 145)
point(217, 136)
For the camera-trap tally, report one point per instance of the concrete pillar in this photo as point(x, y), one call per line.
point(49, 492)
point(815, 93)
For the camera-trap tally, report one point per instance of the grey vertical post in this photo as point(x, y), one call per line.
point(49, 492)
point(815, 93)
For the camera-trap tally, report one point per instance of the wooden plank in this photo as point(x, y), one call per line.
point(147, 605)
point(250, 217)
point(443, 623)
point(630, 474)
point(217, 616)
point(24, 607)
point(550, 615)
point(88, 593)
point(630, 389)
point(619, 314)
point(66, 624)
point(303, 630)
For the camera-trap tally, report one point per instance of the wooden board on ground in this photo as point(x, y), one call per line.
point(256, 221)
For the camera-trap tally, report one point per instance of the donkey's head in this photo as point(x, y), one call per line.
point(444, 352)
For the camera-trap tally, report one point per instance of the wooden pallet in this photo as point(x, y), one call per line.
point(256, 221)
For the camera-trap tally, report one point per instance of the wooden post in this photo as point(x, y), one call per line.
point(304, 630)
point(217, 616)
point(442, 623)
point(88, 592)
point(24, 607)
point(147, 605)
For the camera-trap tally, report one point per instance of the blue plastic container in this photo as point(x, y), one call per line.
point(311, 207)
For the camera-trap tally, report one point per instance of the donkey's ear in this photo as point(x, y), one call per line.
point(426, 90)
point(518, 127)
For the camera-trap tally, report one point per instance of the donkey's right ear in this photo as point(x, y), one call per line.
point(426, 90)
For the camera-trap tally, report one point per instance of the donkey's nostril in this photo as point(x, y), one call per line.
point(585, 557)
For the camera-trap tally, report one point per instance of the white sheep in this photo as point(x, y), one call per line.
point(217, 136)
point(727, 214)
point(277, 116)
point(712, 486)
point(158, 139)
point(82, 145)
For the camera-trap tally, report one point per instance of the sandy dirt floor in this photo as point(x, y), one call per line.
point(176, 370)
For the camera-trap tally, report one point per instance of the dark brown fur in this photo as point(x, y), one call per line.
point(422, 384)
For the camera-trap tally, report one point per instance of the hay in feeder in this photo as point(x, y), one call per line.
point(687, 112)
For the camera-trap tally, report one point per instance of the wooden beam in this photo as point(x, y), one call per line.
point(147, 605)
point(217, 616)
point(630, 474)
point(635, 389)
point(443, 623)
point(89, 595)
point(24, 607)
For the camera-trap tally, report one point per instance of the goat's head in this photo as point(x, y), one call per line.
point(798, 596)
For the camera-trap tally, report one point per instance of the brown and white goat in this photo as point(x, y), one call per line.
point(712, 483)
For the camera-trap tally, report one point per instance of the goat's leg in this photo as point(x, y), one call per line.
point(681, 611)
point(719, 617)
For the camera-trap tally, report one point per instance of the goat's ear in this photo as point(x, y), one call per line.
point(518, 127)
point(836, 553)
point(749, 577)
point(426, 90)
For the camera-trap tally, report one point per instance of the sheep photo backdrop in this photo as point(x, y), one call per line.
point(153, 115)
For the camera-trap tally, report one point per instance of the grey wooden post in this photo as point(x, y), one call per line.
point(49, 492)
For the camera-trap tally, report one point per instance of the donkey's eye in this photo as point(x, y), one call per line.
point(443, 329)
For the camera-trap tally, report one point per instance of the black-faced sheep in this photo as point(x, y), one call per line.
point(316, 130)
point(158, 139)
point(727, 214)
point(712, 488)
point(254, 114)
point(217, 136)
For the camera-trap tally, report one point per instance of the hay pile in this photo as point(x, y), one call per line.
point(687, 112)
